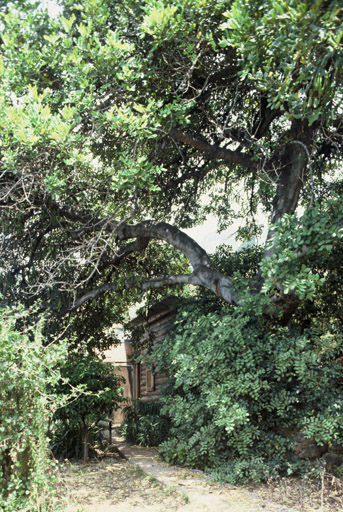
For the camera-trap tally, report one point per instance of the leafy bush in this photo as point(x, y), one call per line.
point(75, 426)
point(67, 439)
point(36, 383)
point(239, 391)
point(144, 424)
point(26, 370)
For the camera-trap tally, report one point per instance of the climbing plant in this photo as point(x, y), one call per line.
point(27, 369)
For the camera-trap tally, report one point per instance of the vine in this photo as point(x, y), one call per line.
point(27, 369)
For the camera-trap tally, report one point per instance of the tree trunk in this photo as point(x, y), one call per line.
point(84, 429)
point(294, 163)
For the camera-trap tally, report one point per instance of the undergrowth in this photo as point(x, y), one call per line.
point(239, 392)
point(27, 368)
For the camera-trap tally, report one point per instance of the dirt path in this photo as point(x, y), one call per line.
point(111, 486)
point(142, 483)
point(147, 485)
point(203, 495)
point(115, 486)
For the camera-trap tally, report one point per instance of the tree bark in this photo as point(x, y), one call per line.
point(85, 450)
point(294, 163)
point(214, 151)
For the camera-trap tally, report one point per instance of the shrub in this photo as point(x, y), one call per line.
point(67, 439)
point(26, 370)
point(239, 391)
point(144, 424)
point(75, 426)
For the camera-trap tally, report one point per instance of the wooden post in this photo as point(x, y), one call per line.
point(110, 431)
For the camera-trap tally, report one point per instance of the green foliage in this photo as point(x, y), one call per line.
point(75, 426)
point(245, 261)
point(291, 51)
point(120, 111)
point(239, 391)
point(27, 371)
point(88, 104)
point(296, 240)
point(144, 424)
point(325, 307)
point(67, 439)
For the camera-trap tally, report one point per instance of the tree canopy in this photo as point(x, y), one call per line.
point(117, 117)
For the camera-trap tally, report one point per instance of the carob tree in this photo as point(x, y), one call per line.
point(118, 117)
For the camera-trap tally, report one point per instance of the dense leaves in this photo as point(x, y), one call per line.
point(113, 113)
point(144, 423)
point(27, 371)
point(74, 426)
point(291, 50)
point(239, 393)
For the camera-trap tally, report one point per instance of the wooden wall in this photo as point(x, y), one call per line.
point(148, 383)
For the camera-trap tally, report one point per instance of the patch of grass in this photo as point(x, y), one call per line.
point(154, 481)
point(185, 497)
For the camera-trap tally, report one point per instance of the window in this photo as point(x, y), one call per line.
point(150, 380)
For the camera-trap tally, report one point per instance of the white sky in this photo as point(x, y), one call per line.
point(52, 7)
point(207, 237)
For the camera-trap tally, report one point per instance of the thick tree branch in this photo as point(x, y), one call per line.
point(264, 123)
point(294, 162)
point(204, 276)
point(168, 233)
point(213, 151)
point(143, 231)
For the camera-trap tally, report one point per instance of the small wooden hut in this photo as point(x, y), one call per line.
point(147, 382)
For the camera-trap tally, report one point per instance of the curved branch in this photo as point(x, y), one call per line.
point(204, 276)
point(168, 233)
point(213, 151)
